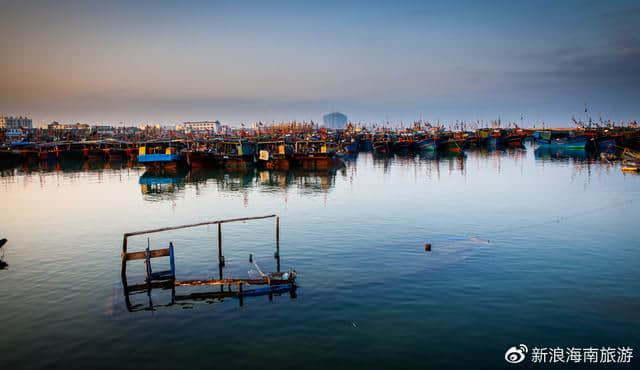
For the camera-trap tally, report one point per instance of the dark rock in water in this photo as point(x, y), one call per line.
point(3, 242)
point(3, 265)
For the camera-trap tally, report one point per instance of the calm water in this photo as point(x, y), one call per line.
point(540, 249)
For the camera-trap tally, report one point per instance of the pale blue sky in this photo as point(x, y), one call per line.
point(243, 61)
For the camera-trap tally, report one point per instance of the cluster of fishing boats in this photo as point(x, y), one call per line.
point(319, 149)
point(103, 150)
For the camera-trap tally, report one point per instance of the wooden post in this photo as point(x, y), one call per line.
point(277, 236)
point(147, 262)
point(277, 243)
point(172, 261)
point(123, 271)
point(220, 256)
point(240, 293)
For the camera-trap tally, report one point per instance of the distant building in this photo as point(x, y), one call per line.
point(226, 130)
point(104, 130)
point(202, 126)
point(15, 126)
point(334, 120)
point(14, 123)
point(57, 126)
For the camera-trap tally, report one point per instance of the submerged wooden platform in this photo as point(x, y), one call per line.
point(274, 283)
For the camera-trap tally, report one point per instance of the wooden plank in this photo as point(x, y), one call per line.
point(196, 224)
point(164, 252)
point(263, 281)
point(219, 282)
point(205, 295)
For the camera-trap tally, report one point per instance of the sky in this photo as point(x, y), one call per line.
point(242, 61)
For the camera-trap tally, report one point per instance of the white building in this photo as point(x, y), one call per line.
point(14, 123)
point(202, 126)
point(15, 126)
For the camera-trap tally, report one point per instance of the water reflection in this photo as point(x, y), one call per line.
point(64, 166)
point(152, 184)
point(151, 296)
point(560, 154)
point(454, 161)
point(158, 187)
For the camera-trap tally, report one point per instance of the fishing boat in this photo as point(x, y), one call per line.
point(316, 154)
point(28, 151)
point(350, 146)
point(381, 144)
point(202, 154)
point(606, 144)
point(7, 155)
point(203, 158)
point(425, 143)
point(161, 155)
point(513, 138)
point(274, 155)
point(72, 151)
point(471, 139)
point(114, 150)
point(403, 143)
point(503, 138)
point(366, 142)
point(94, 150)
point(49, 152)
point(130, 151)
point(564, 139)
point(235, 153)
point(451, 142)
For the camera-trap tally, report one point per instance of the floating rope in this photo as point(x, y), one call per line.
point(563, 218)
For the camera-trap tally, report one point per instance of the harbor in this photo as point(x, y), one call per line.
point(310, 147)
point(319, 185)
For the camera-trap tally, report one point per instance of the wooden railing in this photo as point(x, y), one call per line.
point(126, 256)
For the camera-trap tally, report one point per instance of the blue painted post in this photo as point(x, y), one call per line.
point(148, 263)
point(171, 260)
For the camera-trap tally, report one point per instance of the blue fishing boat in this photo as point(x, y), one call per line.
point(161, 156)
point(426, 144)
point(27, 150)
point(564, 139)
point(607, 144)
point(492, 142)
point(366, 142)
point(350, 146)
